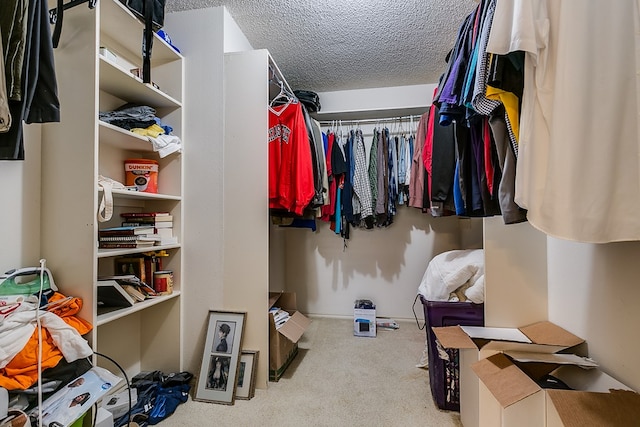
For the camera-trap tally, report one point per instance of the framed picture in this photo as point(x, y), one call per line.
point(246, 385)
point(221, 359)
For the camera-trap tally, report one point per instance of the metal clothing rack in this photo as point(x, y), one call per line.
point(56, 16)
point(408, 118)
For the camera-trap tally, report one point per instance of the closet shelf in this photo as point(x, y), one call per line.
point(121, 83)
point(122, 138)
point(139, 306)
point(107, 253)
point(140, 195)
point(121, 25)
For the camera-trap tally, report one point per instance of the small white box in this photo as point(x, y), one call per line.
point(364, 319)
point(118, 403)
point(104, 418)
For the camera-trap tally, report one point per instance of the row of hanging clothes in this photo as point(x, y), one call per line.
point(28, 85)
point(472, 125)
point(336, 172)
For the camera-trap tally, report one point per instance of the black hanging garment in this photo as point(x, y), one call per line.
point(309, 99)
point(35, 98)
point(151, 12)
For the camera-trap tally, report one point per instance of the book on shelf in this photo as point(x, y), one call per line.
point(144, 214)
point(157, 224)
point(125, 231)
point(126, 245)
point(111, 294)
point(148, 219)
point(134, 292)
point(118, 238)
point(163, 232)
point(133, 281)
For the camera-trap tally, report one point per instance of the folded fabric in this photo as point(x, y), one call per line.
point(154, 131)
point(166, 144)
point(451, 270)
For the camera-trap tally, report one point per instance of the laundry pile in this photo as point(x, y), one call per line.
point(64, 352)
point(142, 120)
point(456, 275)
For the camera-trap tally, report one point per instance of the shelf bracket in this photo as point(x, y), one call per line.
point(55, 16)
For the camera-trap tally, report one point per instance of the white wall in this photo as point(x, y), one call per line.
point(20, 206)
point(594, 292)
point(385, 265)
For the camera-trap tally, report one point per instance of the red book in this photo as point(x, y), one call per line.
point(125, 245)
point(143, 214)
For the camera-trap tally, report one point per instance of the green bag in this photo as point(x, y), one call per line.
point(11, 285)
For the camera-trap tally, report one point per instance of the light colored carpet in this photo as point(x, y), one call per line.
point(337, 380)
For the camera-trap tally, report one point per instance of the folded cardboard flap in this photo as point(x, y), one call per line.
point(555, 358)
point(453, 337)
point(544, 337)
point(283, 300)
point(550, 334)
point(295, 327)
point(506, 382)
point(619, 408)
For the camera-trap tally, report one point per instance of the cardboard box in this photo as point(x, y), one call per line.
point(364, 319)
point(596, 399)
point(478, 343)
point(283, 342)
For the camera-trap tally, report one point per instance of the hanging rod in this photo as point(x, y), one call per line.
point(53, 13)
point(388, 119)
point(56, 15)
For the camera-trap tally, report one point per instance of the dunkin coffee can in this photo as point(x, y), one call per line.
point(163, 282)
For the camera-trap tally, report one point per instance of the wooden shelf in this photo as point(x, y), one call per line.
point(122, 26)
point(107, 253)
point(139, 306)
point(121, 83)
point(122, 138)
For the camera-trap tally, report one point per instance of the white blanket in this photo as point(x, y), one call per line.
point(458, 270)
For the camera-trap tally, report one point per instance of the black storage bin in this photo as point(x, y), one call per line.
point(444, 375)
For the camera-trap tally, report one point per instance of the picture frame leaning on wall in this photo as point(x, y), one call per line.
point(218, 375)
point(246, 383)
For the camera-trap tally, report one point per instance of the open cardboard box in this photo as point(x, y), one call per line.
point(283, 342)
point(597, 400)
point(511, 395)
point(478, 343)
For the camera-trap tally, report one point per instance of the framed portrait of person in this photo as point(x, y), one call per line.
point(217, 380)
point(246, 383)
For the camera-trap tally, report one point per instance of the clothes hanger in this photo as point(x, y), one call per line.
point(280, 95)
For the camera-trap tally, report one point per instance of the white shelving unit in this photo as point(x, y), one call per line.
point(246, 227)
point(146, 336)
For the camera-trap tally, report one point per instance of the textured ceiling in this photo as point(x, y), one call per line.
point(348, 44)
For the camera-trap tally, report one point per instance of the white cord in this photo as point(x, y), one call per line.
point(42, 269)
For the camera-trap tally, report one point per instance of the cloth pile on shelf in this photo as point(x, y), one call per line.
point(142, 120)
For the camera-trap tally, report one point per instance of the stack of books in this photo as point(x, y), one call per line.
point(162, 223)
point(125, 237)
point(122, 291)
point(280, 316)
